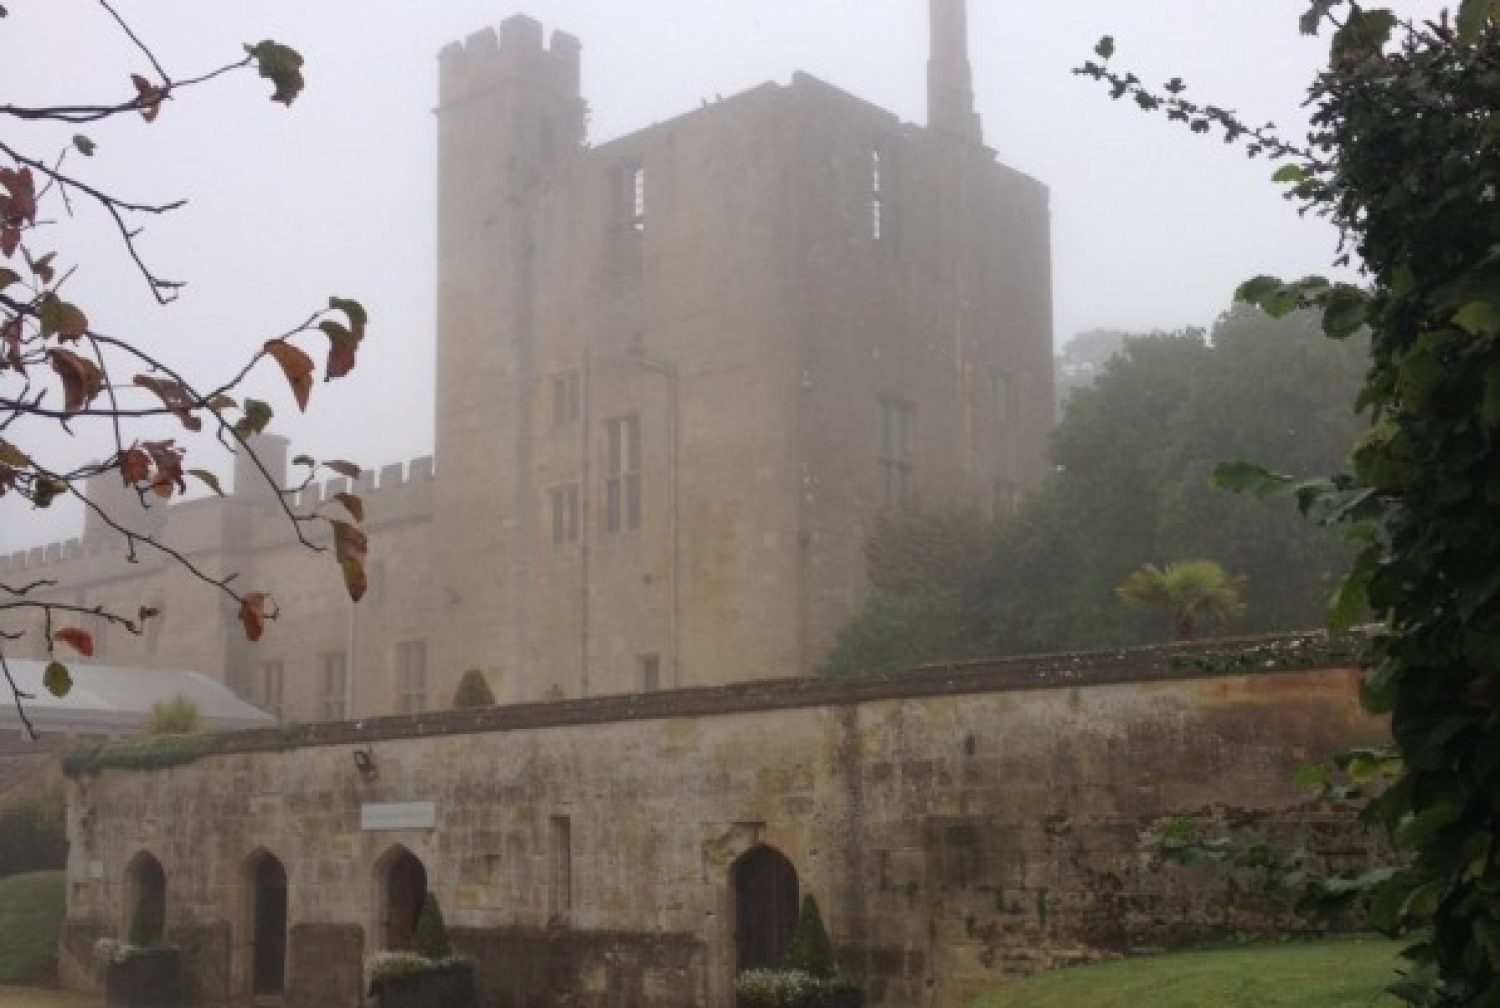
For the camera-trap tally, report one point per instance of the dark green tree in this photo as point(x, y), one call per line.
point(810, 949)
point(473, 691)
point(431, 939)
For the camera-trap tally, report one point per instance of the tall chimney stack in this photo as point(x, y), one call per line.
point(950, 82)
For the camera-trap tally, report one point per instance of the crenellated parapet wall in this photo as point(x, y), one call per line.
point(393, 494)
point(517, 52)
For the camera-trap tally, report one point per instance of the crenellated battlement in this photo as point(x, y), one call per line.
point(517, 52)
point(398, 492)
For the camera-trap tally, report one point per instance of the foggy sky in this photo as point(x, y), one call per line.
point(1152, 227)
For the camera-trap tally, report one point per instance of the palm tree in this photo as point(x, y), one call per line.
point(1188, 591)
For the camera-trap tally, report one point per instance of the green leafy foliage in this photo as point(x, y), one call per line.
point(810, 950)
point(1189, 592)
point(473, 691)
point(177, 716)
point(1404, 158)
point(149, 753)
point(431, 939)
point(31, 915)
point(788, 988)
point(33, 833)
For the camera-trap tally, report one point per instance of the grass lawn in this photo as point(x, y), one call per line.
point(34, 997)
point(1341, 973)
point(31, 914)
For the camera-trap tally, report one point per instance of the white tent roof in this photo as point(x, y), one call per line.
point(112, 700)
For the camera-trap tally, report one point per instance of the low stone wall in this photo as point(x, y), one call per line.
point(957, 825)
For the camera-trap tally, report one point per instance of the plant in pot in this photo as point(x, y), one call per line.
point(808, 977)
point(142, 971)
point(428, 975)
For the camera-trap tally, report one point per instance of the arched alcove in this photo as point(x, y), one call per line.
point(401, 887)
point(145, 900)
point(764, 885)
point(265, 882)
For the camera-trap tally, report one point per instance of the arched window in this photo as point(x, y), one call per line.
point(145, 900)
point(765, 907)
point(266, 879)
point(403, 886)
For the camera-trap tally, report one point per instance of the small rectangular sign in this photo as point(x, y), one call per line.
point(398, 816)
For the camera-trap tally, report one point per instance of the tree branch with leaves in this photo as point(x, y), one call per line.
point(1403, 157)
point(60, 368)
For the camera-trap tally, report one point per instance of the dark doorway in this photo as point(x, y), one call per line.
point(268, 926)
point(405, 888)
point(146, 904)
point(765, 900)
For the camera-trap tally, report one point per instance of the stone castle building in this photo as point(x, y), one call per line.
point(678, 375)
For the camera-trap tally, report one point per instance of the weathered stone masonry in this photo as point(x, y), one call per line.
point(956, 825)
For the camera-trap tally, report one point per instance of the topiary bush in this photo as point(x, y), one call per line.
point(177, 716)
point(431, 940)
point(810, 951)
point(473, 691)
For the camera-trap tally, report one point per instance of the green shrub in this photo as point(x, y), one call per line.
point(785, 988)
point(33, 836)
point(31, 914)
point(394, 965)
point(473, 691)
point(810, 951)
point(431, 939)
point(177, 716)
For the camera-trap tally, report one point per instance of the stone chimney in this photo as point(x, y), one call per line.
point(950, 82)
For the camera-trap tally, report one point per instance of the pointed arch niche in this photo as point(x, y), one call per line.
point(145, 900)
point(400, 887)
point(265, 922)
point(764, 886)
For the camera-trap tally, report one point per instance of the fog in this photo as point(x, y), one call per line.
point(1152, 227)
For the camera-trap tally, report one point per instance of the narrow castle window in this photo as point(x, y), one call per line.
point(638, 198)
point(1006, 499)
point(565, 507)
point(269, 693)
point(333, 702)
point(622, 486)
point(562, 866)
point(567, 398)
point(650, 666)
point(411, 671)
point(897, 425)
point(877, 198)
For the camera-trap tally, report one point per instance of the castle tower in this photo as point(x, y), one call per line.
point(510, 122)
point(950, 81)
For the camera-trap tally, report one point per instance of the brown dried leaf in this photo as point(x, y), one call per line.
point(253, 614)
point(10, 337)
point(349, 548)
point(343, 468)
point(12, 456)
point(81, 379)
point(342, 346)
point(19, 205)
point(10, 239)
point(148, 97)
point(77, 638)
point(135, 467)
point(353, 504)
point(296, 365)
point(168, 460)
point(174, 397)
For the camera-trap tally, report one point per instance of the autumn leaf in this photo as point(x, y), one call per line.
point(349, 548)
point(19, 205)
point(296, 365)
point(353, 504)
point(253, 614)
point(77, 638)
point(44, 491)
point(348, 469)
point(147, 97)
point(58, 316)
point(85, 146)
point(256, 416)
point(10, 238)
point(342, 347)
point(174, 397)
point(135, 467)
point(57, 679)
point(8, 277)
point(81, 379)
point(12, 456)
point(168, 460)
point(10, 337)
point(43, 267)
point(282, 66)
point(208, 479)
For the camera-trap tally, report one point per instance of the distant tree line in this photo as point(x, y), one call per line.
point(1132, 455)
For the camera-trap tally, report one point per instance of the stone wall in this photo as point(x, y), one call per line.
point(956, 824)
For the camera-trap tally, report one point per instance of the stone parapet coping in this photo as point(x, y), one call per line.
point(1229, 657)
